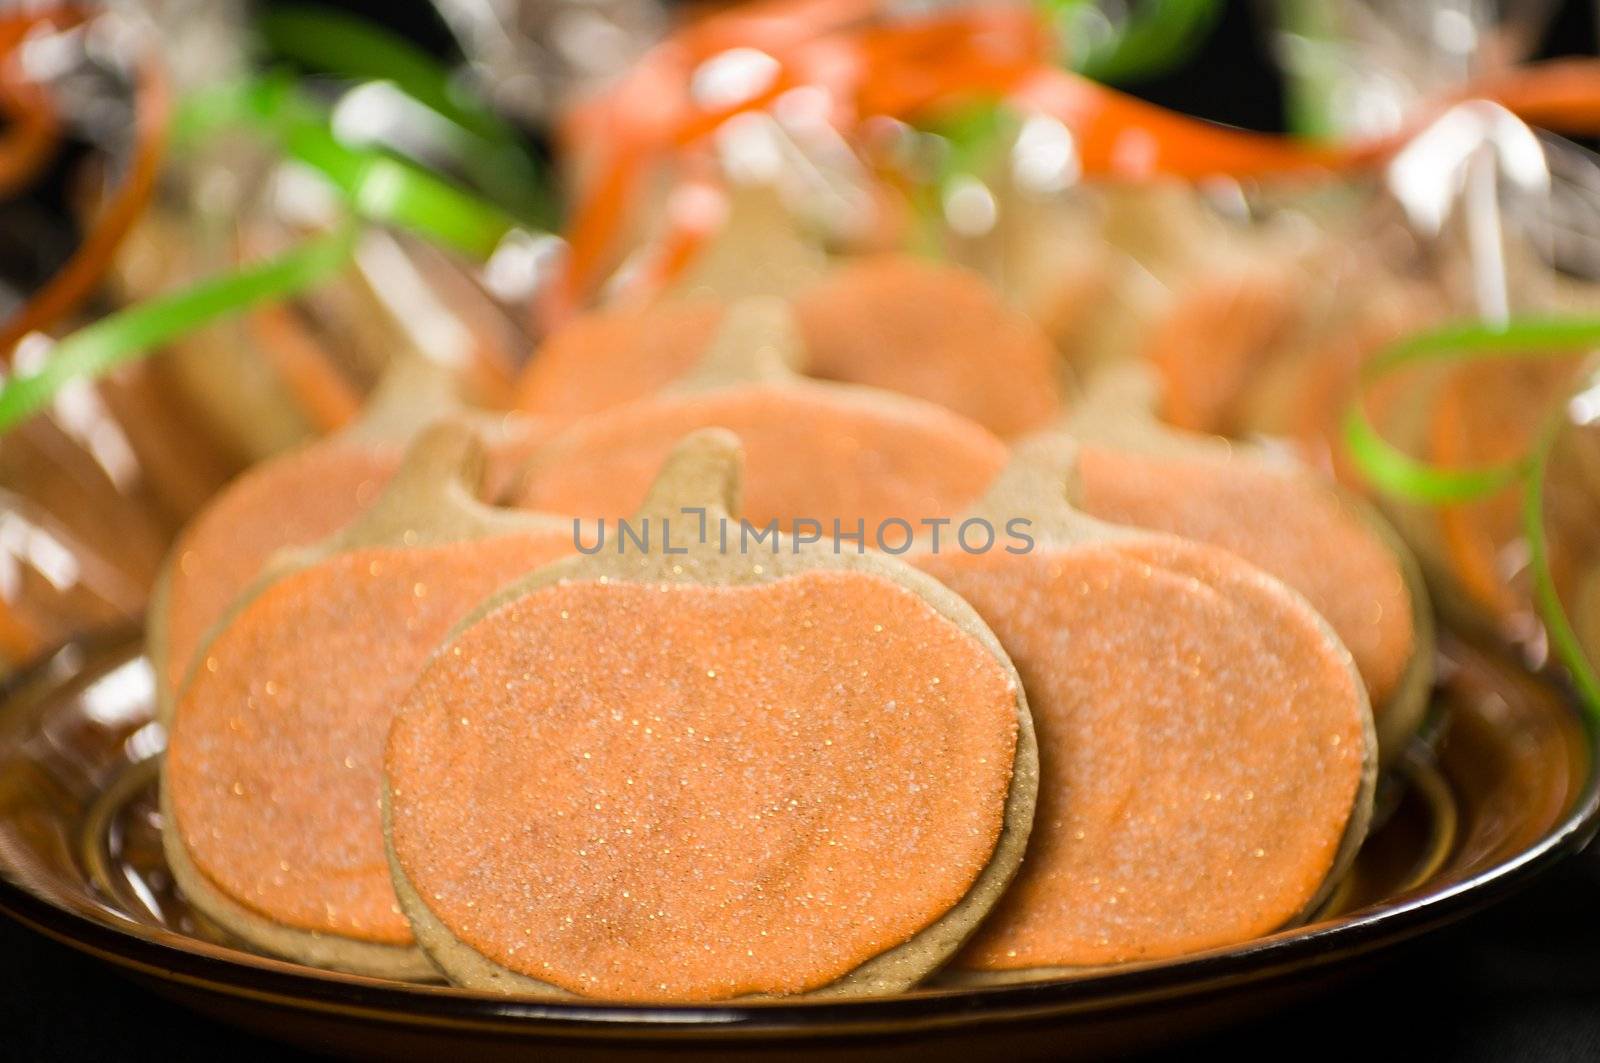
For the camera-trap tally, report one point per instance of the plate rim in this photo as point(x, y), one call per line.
point(166, 957)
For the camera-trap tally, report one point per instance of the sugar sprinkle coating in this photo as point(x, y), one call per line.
point(685, 792)
point(291, 501)
point(1296, 530)
point(1202, 745)
point(274, 767)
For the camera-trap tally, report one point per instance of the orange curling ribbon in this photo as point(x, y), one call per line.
point(866, 66)
point(32, 129)
point(1562, 95)
point(872, 64)
point(908, 69)
point(1123, 137)
point(30, 136)
point(651, 117)
point(773, 26)
point(77, 279)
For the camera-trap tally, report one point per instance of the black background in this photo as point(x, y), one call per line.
point(1519, 982)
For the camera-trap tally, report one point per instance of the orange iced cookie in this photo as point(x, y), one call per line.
point(701, 776)
point(933, 331)
point(1310, 539)
point(1300, 395)
point(819, 451)
point(273, 770)
point(1206, 302)
point(290, 501)
point(812, 453)
point(1206, 754)
point(611, 357)
point(1210, 341)
point(1327, 545)
point(299, 498)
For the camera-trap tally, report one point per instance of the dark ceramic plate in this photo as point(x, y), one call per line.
point(1506, 786)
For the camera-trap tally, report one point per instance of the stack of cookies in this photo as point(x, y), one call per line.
point(826, 639)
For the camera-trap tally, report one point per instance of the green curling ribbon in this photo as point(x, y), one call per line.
point(1392, 470)
point(1403, 476)
point(130, 334)
point(1563, 638)
point(1155, 36)
point(379, 186)
point(1311, 68)
point(350, 47)
point(489, 149)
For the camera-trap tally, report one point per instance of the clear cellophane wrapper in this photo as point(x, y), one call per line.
point(1258, 302)
point(93, 490)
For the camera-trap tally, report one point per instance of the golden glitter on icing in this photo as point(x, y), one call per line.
point(1200, 746)
point(1293, 529)
point(690, 792)
point(275, 760)
point(290, 501)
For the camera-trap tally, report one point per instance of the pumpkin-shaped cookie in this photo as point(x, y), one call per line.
point(270, 786)
point(934, 331)
point(705, 769)
point(1206, 752)
point(929, 330)
point(1201, 300)
point(1285, 519)
point(815, 451)
point(295, 500)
